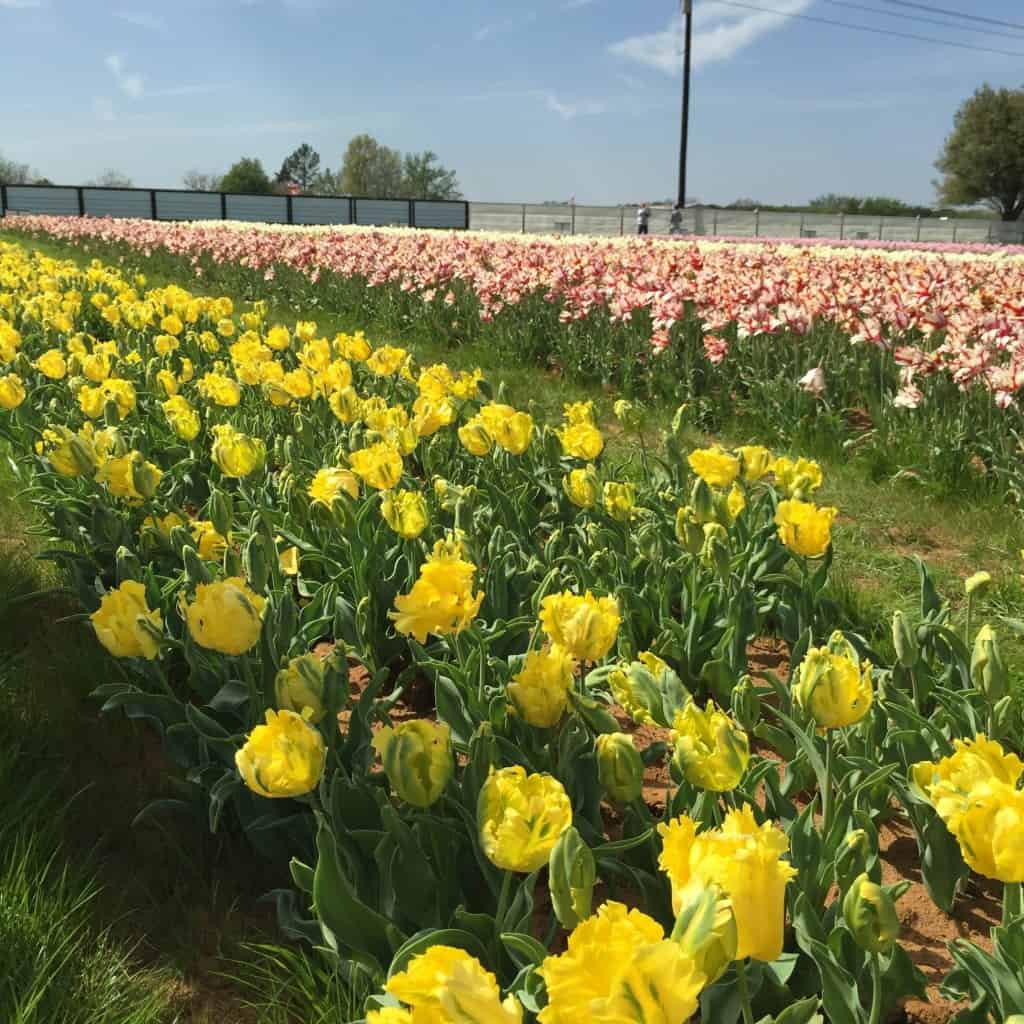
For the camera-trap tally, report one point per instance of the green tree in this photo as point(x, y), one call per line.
point(201, 181)
point(246, 175)
point(14, 173)
point(370, 169)
point(302, 167)
point(423, 177)
point(982, 159)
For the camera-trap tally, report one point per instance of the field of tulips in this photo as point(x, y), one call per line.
point(493, 694)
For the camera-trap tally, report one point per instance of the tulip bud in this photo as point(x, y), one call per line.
point(571, 876)
point(219, 509)
point(254, 560)
point(706, 929)
point(870, 914)
point(627, 414)
point(688, 531)
point(904, 641)
point(232, 562)
point(988, 670)
point(128, 565)
point(417, 758)
point(619, 767)
point(178, 538)
point(715, 550)
point(111, 415)
point(1002, 717)
point(852, 857)
point(978, 584)
point(746, 704)
point(299, 687)
point(679, 421)
point(145, 476)
point(106, 525)
point(702, 501)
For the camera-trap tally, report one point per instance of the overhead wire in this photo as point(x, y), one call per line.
point(892, 33)
point(912, 17)
point(1016, 26)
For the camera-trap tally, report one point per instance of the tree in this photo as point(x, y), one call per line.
point(328, 183)
point(982, 159)
point(423, 177)
point(111, 179)
point(370, 169)
point(14, 173)
point(246, 175)
point(302, 167)
point(201, 181)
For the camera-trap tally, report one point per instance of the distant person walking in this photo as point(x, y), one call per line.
point(675, 221)
point(643, 216)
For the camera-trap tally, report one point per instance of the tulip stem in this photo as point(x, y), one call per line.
point(826, 791)
point(506, 888)
point(1013, 901)
point(876, 990)
point(741, 979)
point(967, 621)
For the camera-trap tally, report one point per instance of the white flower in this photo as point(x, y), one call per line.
point(813, 382)
point(908, 397)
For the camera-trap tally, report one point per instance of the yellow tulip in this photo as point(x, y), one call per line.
point(584, 625)
point(237, 454)
point(582, 487)
point(474, 437)
point(805, 528)
point(744, 861)
point(434, 382)
point(446, 985)
point(796, 479)
point(331, 481)
point(125, 624)
point(69, 454)
point(620, 969)
point(430, 415)
point(833, 686)
point(441, 601)
point(345, 404)
point(278, 337)
point(619, 767)
point(520, 818)
point(619, 500)
point(581, 441)
point(578, 412)
point(168, 382)
point(283, 758)
point(220, 390)
point(299, 687)
point(386, 360)
point(467, 384)
point(756, 461)
point(735, 503)
point(163, 524)
point(52, 364)
point(225, 616)
point(417, 758)
point(714, 466)
point(379, 466)
point(405, 512)
point(990, 831)
point(978, 583)
point(122, 477)
point(507, 428)
point(870, 914)
point(540, 690)
point(181, 417)
point(711, 750)
point(210, 544)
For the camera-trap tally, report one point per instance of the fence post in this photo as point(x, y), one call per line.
point(223, 206)
point(81, 202)
point(465, 223)
point(714, 222)
point(990, 223)
point(572, 219)
point(954, 232)
point(881, 227)
point(757, 223)
point(412, 213)
point(351, 209)
point(3, 203)
point(523, 232)
point(917, 232)
point(842, 226)
point(152, 204)
point(801, 226)
point(288, 207)
point(622, 220)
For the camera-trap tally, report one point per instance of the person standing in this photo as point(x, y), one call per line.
point(675, 221)
point(643, 216)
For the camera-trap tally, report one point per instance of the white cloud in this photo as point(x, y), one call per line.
point(130, 85)
point(567, 110)
point(103, 109)
point(143, 20)
point(575, 5)
point(20, 5)
point(501, 27)
point(720, 32)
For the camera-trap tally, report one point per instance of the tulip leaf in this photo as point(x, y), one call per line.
point(806, 743)
point(942, 864)
point(840, 995)
point(451, 709)
point(524, 949)
point(621, 845)
point(423, 940)
point(803, 1012)
point(929, 596)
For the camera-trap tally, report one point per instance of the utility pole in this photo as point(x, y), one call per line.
point(688, 18)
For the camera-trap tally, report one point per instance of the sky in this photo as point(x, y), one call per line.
point(527, 101)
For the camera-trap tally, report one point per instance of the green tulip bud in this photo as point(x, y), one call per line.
point(179, 538)
point(988, 670)
point(706, 929)
point(715, 551)
point(679, 422)
point(232, 562)
point(417, 759)
point(111, 415)
point(254, 560)
point(571, 876)
point(83, 455)
point(619, 767)
point(746, 704)
point(852, 857)
point(145, 476)
point(299, 687)
point(904, 641)
point(870, 914)
point(128, 565)
point(688, 530)
point(219, 510)
point(195, 568)
point(627, 414)
point(702, 501)
point(1002, 717)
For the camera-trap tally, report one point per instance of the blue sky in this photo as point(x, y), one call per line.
point(527, 101)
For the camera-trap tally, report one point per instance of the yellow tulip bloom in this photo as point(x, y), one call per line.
point(299, 687)
point(283, 758)
point(520, 818)
point(805, 528)
point(756, 461)
point(796, 479)
point(52, 364)
point(209, 543)
point(405, 512)
point(331, 481)
point(475, 437)
point(581, 440)
point(619, 500)
point(832, 686)
point(125, 624)
point(717, 468)
point(182, 418)
point(585, 625)
point(507, 428)
point(379, 466)
point(237, 454)
point(225, 616)
point(417, 758)
point(582, 487)
point(711, 750)
point(386, 360)
point(540, 690)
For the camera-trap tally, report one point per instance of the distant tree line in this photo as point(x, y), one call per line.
point(367, 168)
point(866, 206)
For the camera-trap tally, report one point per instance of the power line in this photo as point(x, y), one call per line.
point(874, 31)
point(957, 14)
point(912, 17)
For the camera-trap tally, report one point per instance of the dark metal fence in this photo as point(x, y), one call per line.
point(183, 204)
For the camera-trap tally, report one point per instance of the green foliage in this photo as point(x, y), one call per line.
point(14, 173)
point(423, 177)
point(982, 159)
point(111, 178)
point(246, 175)
point(370, 169)
point(302, 166)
